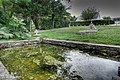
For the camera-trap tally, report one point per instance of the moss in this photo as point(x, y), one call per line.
point(33, 62)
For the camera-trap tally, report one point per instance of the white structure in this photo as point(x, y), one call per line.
point(36, 32)
point(91, 29)
point(92, 26)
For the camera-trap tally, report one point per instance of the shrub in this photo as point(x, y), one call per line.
point(95, 22)
point(13, 29)
point(47, 24)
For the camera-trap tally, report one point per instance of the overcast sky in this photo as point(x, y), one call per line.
point(106, 7)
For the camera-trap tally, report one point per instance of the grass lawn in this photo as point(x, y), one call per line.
point(105, 35)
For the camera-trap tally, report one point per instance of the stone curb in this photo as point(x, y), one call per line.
point(110, 49)
point(18, 43)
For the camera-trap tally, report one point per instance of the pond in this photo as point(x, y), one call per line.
point(48, 62)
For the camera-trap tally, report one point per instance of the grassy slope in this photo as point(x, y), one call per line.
point(105, 35)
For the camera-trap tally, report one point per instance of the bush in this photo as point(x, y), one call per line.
point(95, 22)
point(15, 28)
point(47, 24)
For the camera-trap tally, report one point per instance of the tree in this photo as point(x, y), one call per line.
point(36, 9)
point(89, 13)
point(13, 11)
point(107, 18)
point(32, 10)
point(5, 11)
point(57, 10)
point(10, 26)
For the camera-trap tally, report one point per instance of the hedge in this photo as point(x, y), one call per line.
point(95, 22)
point(47, 24)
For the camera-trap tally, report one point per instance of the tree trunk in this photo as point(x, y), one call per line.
point(53, 21)
point(30, 26)
point(3, 6)
point(11, 13)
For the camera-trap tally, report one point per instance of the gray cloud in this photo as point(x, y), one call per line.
point(106, 7)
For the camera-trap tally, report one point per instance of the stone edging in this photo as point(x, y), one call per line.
point(111, 49)
point(18, 43)
point(4, 74)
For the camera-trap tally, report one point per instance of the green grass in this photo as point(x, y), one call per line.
point(105, 35)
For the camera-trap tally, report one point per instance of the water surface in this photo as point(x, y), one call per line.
point(48, 62)
point(91, 67)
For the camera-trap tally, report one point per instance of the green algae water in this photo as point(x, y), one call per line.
point(48, 62)
point(33, 62)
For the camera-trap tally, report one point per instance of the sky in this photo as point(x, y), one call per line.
point(106, 7)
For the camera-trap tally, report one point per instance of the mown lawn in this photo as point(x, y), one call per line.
point(105, 35)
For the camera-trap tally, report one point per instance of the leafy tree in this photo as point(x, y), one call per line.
point(58, 10)
point(89, 13)
point(5, 11)
point(35, 10)
point(13, 11)
point(11, 27)
point(32, 10)
point(14, 29)
point(107, 18)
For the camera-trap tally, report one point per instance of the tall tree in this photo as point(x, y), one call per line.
point(32, 10)
point(58, 10)
point(11, 27)
point(5, 10)
point(90, 13)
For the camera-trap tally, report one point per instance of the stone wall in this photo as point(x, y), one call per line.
point(18, 43)
point(110, 49)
